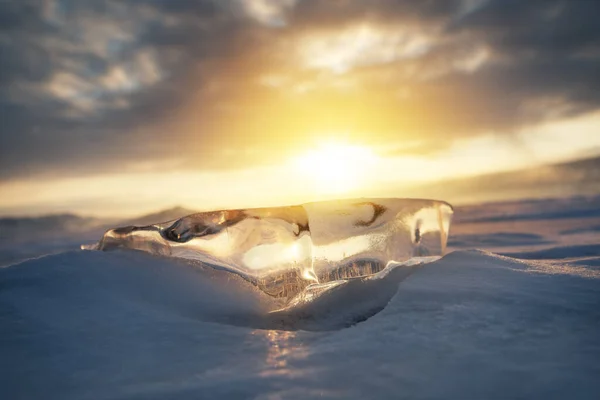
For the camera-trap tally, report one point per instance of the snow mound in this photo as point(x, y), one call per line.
point(93, 325)
point(136, 281)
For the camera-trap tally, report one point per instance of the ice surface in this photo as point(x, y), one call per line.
point(284, 250)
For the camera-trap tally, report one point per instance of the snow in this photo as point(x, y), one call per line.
point(475, 324)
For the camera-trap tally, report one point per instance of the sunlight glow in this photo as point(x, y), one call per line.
point(330, 170)
point(335, 167)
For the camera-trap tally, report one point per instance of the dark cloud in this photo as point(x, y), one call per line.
point(91, 86)
point(547, 54)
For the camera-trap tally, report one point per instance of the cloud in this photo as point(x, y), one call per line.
point(359, 46)
point(89, 87)
point(268, 12)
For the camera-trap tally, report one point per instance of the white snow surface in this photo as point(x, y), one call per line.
point(473, 325)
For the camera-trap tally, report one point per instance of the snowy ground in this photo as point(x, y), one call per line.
point(474, 325)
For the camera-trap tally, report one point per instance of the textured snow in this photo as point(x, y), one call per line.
point(475, 324)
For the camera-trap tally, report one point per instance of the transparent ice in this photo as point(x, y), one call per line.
point(284, 250)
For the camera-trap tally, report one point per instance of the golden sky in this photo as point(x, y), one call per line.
point(130, 107)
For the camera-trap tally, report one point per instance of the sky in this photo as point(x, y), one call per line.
point(121, 108)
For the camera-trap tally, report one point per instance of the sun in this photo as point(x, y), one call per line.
point(335, 167)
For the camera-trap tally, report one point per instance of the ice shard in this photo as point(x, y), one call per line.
point(283, 250)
